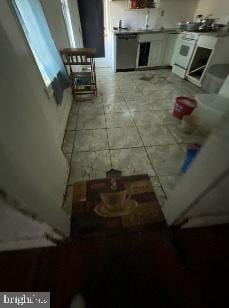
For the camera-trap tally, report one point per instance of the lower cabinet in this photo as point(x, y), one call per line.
point(170, 48)
point(151, 49)
point(143, 54)
point(156, 53)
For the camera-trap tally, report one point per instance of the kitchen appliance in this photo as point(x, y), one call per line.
point(183, 52)
point(198, 18)
point(200, 25)
point(127, 45)
point(120, 24)
point(217, 27)
point(206, 24)
point(190, 26)
point(193, 26)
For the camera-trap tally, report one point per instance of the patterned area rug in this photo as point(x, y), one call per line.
point(87, 197)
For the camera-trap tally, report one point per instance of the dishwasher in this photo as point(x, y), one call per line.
point(126, 52)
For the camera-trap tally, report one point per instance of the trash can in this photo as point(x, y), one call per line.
point(184, 106)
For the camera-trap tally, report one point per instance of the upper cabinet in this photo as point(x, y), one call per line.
point(143, 4)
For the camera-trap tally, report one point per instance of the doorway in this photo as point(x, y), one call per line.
point(94, 18)
point(92, 24)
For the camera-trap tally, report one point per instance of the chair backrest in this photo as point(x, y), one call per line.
point(77, 57)
point(224, 91)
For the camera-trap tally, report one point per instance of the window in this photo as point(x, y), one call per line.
point(68, 22)
point(37, 33)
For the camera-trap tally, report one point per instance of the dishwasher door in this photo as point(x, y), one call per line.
point(126, 52)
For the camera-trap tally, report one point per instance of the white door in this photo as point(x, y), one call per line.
point(72, 22)
point(156, 52)
point(170, 48)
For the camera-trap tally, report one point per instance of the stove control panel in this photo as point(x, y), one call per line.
point(190, 35)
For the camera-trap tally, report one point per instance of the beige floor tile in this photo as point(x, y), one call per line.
point(162, 104)
point(91, 99)
point(113, 99)
point(167, 118)
point(156, 135)
point(129, 96)
point(116, 107)
point(155, 181)
point(75, 107)
point(131, 161)
point(129, 101)
point(146, 118)
point(127, 137)
point(181, 137)
point(91, 108)
point(91, 121)
point(72, 121)
point(169, 183)
point(119, 119)
point(89, 165)
point(166, 159)
point(68, 142)
point(139, 106)
point(91, 140)
point(67, 205)
point(161, 197)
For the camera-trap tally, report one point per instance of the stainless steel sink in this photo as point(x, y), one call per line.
point(151, 30)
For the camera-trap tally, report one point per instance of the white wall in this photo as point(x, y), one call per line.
point(218, 8)
point(18, 231)
point(53, 13)
point(175, 11)
point(32, 165)
point(57, 115)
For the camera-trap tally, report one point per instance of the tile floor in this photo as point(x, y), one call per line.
point(129, 127)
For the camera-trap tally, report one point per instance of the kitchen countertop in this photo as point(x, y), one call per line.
point(215, 34)
point(167, 30)
point(145, 31)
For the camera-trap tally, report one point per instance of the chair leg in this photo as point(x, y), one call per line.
point(95, 86)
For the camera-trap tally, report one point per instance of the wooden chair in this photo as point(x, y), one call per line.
point(80, 66)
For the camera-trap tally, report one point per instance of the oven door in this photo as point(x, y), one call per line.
point(184, 52)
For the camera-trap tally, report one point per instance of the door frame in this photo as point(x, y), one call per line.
point(105, 61)
point(76, 24)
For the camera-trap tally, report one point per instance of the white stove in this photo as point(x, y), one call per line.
point(190, 35)
point(184, 50)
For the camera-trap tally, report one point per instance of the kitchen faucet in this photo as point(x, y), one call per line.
point(147, 19)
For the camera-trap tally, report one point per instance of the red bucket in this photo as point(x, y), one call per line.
point(184, 106)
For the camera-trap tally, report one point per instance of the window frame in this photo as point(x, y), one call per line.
point(44, 76)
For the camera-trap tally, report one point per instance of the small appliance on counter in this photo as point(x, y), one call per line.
point(199, 25)
point(189, 26)
point(120, 26)
point(206, 24)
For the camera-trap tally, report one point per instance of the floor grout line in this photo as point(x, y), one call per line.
point(104, 95)
point(146, 151)
point(107, 137)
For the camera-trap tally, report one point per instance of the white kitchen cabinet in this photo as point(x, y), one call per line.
point(156, 53)
point(170, 48)
point(151, 46)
